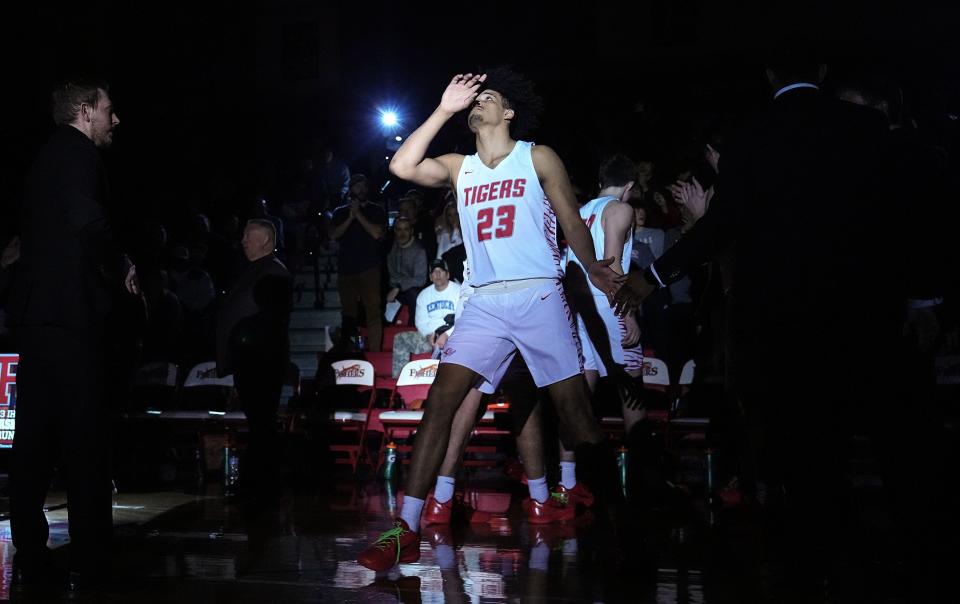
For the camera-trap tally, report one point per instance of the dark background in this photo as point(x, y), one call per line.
point(218, 102)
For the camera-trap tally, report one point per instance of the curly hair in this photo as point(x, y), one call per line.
point(518, 94)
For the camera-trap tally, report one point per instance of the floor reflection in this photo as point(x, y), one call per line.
point(189, 547)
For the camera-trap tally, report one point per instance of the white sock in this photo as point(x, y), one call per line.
point(443, 492)
point(538, 489)
point(412, 507)
point(568, 474)
point(446, 557)
point(540, 557)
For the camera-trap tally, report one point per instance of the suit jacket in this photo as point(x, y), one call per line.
point(240, 303)
point(801, 193)
point(70, 265)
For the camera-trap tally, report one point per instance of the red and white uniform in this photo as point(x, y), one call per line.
point(517, 303)
point(508, 226)
point(631, 358)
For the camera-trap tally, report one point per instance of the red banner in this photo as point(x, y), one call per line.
point(8, 398)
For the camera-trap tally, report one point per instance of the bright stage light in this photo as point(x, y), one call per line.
point(389, 118)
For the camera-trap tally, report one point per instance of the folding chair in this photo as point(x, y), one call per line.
point(414, 382)
point(153, 388)
point(203, 397)
point(656, 379)
point(390, 332)
point(412, 388)
point(290, 392)
point(383, 369)
point(351, 422)
point(693, 428)
point(204, 391)
point(403, 315)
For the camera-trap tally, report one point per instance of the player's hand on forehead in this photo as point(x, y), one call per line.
point(461, 91)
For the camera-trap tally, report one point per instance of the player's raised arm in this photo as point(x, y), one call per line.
point(556, 185)
point(410, 161)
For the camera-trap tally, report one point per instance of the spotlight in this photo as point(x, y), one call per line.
point(389, 119)
point(398, 139)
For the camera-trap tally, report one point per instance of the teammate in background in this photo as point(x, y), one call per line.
point(611, 344)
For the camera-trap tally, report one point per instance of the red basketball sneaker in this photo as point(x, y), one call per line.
point(392, 547)
point(578, 495)
point(555, 509)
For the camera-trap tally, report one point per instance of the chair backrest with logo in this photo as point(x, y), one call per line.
point(153, 386)
point(415, 380)
point(204, 390)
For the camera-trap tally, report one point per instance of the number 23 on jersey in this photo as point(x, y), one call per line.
point(495, 223)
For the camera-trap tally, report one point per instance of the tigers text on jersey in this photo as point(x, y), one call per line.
point(508, 225)
point(591, 212)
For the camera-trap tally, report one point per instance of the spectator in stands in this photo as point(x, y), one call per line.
point(190, 282)
point(424, 228)
point(334, 176)
point(261, 210)
point(161, 342)
point(224, 255)
point(448, 229)
point(436, 306)
point(359, 226)
point(642, 233)
point(407, 264)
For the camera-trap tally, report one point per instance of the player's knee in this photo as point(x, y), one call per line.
point(443, 401)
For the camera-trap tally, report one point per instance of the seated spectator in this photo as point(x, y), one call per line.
point(192, 285)
point(643, 234)
point(407, 264)
point(448, 229)
point(161, 341)
point(411, 206)
point(436, 307)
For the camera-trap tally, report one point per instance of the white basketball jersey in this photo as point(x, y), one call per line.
point(508, 225)
point(591, 212)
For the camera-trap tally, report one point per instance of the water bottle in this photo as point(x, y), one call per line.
point(709, 463)
point(390, 467)
point(622, 460)
point(391, 497)
point(231, 470)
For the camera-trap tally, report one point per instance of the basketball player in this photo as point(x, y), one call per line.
point(510, 195)
point(610, 343)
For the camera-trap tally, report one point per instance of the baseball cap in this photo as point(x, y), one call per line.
point(438, 263)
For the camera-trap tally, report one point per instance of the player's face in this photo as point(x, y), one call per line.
point(489, 109)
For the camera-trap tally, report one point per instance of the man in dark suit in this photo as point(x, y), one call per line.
point(252, 345)
point(818, 303)
point(68, 272)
